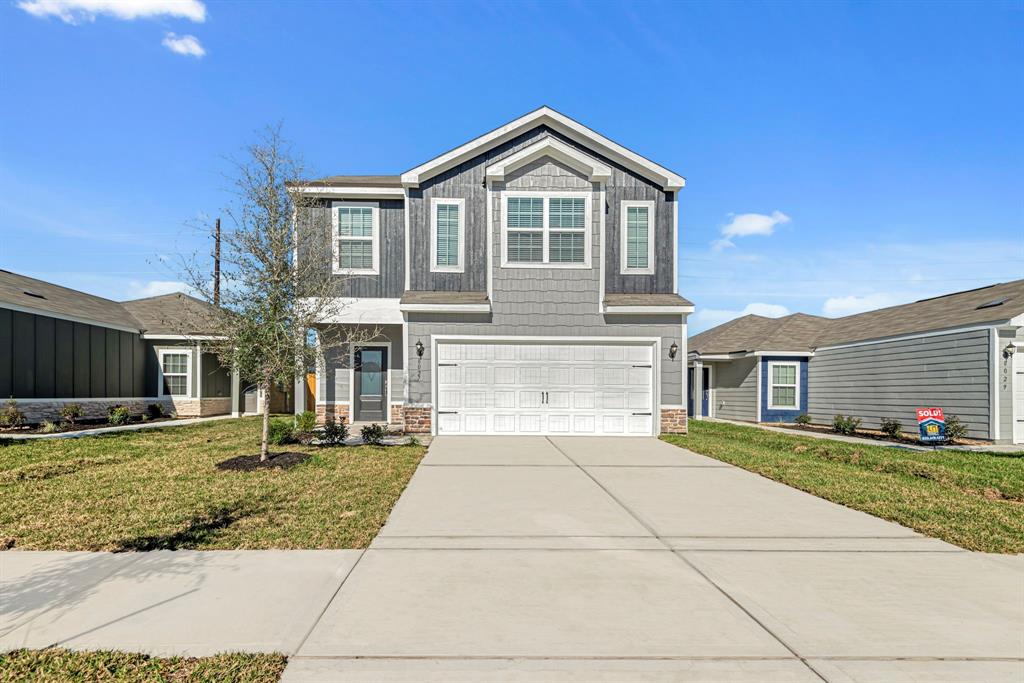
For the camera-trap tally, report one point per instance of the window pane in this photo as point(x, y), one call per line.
point(355, 221)
point(525, 212)
point(566, 213)
point(525, 247)
point(783, 374)
point(447, 234)
point(784, 396)
point(176, 385)
point(355, 254)
point(637, 237)
point(175, 362)
point(566, 247)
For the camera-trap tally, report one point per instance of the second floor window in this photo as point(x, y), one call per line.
point(546, 229)
point(637, 237)
point(447, 235)
point(355, 239)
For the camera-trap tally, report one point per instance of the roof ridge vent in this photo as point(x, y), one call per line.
point(33, 294)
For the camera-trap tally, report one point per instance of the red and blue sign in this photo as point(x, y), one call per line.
point(932, 424)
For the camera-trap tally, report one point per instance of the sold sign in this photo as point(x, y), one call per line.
point(932, 424)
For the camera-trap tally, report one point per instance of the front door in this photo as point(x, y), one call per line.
point(371, 390)
point(705, 396)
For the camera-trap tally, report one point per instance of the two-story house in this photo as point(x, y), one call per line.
point(524, 282)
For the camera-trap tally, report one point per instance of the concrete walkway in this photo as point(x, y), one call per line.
point(123, 428)
point(534, 559)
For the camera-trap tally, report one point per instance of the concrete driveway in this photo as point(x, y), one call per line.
point(590, 559)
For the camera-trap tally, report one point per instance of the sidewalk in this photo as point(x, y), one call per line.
point(111, 430)
point(979, 448)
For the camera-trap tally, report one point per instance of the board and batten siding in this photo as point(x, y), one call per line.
point(891, 379)
point(734, 389)
point(44, 357)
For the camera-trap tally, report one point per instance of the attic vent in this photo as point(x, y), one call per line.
point(993, 303)
point(38, 296)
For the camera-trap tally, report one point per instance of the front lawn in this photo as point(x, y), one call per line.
point(66, 665)
point(973, 500)
point(160, 489)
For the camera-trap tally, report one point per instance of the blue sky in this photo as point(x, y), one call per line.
point(839, 156)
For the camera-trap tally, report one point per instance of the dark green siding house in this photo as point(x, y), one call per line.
point(962, 352)
point(59, 346)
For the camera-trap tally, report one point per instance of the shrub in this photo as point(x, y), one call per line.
point(10, 416)
point(955, 429)
point(373, 434)
point(118, 415)
point(413, 441)
point(305, 422)
point(281, 432)
point(804, 419)
point(334, 433)
point(155, 410)
point(47, 427)
point(892, 427)
point(845, 425)
point(70, 412)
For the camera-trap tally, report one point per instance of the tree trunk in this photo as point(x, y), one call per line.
point(265, 388)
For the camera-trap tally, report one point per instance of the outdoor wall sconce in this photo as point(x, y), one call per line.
point(1009, 350)
point(419, 349)
point(673, 350)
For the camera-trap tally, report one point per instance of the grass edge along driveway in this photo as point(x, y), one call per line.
point(160, 489)
point(973, 500)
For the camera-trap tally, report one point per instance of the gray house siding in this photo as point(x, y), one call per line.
point(890, 379)
point(333, 375)
point(734, 389)
point(216, 379)
point(1004, 380)
point(45, 357)
point(390, 283)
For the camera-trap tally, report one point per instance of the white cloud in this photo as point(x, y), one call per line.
point(746, 224)
point(183, 45)
point(837, 306)
point(719, 245)
point(141, 290)
point(704, 318)
point(75, 11)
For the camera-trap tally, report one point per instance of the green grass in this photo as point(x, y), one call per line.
point(159, 488)
point(973, 500)
point(64, 665)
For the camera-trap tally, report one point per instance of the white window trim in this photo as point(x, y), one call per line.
point(374, 239)
point(623, 237)
point(771, 383)
point(461, 267)
point(160, 373)
point(588, 228)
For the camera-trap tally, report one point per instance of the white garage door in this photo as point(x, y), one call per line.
point(1018, 396)
point(504, 388)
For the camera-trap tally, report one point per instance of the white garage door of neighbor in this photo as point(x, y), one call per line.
point(505, 388)
point(1018, 396)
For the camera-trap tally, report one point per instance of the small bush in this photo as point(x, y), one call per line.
point(10, 416)
point(373, 434)
point(281, 432)
point(955, 429)
point(155, 410)
point(804, 419)
point(47, 427)
point(118, 415)
point(413, 441)
point(305, 422)
point(845, 425)
point(70, 413)
point(334, 433)
point(892, 427)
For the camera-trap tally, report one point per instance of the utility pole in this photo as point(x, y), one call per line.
point(216, 264)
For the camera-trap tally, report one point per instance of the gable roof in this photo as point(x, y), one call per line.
point(557, 121)
point(799, 332)
point(171, 314)
point(23, 293)
point(355, 181)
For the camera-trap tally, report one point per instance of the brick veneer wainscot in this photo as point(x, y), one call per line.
point(673, 420)
point(417, 419)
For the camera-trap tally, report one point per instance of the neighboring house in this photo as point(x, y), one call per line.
point(962, 352)
point(60, 345)
point(523, 282)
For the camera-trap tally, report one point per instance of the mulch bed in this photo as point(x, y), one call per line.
point(80, 426)
point(250, 463)
point(867, 434)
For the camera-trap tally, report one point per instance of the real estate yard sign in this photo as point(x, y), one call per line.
point(932, 424)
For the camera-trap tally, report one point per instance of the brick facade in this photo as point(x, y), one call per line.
point(195, 407)
point(673, 420)
point(336, 412)
point(37, 411)
point(417, 419)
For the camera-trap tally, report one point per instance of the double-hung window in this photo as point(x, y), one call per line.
point(783, 386)
point(175, 372)
point(356, 233)
point(447, 235)
point(547, 229)
point(637, 230)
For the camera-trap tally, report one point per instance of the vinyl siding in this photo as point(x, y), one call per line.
point(45, 357)
point(334, 373)
point(779, 414)
point(734, 389)
point(893, 378)
point(1004, 381)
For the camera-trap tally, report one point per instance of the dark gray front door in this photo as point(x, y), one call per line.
point(371, 384)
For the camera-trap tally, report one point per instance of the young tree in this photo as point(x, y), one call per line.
point(277, 280)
